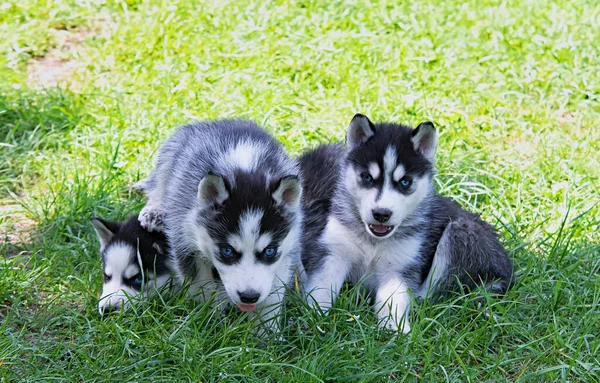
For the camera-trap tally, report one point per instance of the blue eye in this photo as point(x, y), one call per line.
point(270, 251)
point(226, 251)
point(367, 178)
point(405, 182)
point(137, 281)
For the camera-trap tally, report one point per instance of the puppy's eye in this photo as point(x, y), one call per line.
point(367, 178)
point(226, 251)
point(106, 278)
point(405, 182)
point(270, 252)
point(137, 281)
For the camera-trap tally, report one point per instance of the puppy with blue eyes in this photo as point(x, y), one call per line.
point(228, 198)
point(372, 215)
point(134, 262)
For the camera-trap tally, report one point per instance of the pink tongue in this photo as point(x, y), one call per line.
point(380, 228)
point(246, 308)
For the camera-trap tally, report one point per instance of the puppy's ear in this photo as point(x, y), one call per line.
point(105, 230)
point(359, 131)
point(212, 190)
point(286, 192)
point(424, 139)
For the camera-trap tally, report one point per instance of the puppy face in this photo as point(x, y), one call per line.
point(389, 172)
point(248, 226)
point(133, 262)
point(122, 276)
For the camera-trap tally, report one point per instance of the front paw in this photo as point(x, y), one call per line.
point(319, 301)
point(151, 219)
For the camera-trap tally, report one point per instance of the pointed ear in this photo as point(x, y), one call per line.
point(105, 230)
point(287, 192)
point(212, 190)
point(424, 139)
point(359, 131)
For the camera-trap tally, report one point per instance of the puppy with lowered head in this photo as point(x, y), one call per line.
point(134, 261)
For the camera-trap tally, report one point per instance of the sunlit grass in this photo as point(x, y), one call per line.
point(513, 88)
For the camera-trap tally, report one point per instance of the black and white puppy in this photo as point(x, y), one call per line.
point(228, 198)
point(372, 215)
point(134, 261)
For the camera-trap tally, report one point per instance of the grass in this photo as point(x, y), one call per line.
point(513, 86)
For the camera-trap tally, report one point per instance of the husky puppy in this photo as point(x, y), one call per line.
point(228, 196)
point(133, 260)
point(372, 215)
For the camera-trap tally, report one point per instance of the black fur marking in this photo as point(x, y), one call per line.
point(398, 137)
point(226, 219)
point(215, 274)
point(320, 170)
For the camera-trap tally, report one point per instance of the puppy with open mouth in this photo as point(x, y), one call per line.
point(372, 215)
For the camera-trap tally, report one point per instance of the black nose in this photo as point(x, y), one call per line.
point(382, 215)
point(249, 296)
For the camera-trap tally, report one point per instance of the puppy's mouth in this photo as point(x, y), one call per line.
point(379, 230)
point(246, 308)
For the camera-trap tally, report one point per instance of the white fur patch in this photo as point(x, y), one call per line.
point(263, 241)
point(117, 259)
point(399, 172)
point(131, 271)
point(389, 161)
point(249, 232)
point(374, 170)
point(243, 155)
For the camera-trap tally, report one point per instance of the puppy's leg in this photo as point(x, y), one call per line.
point(152, 215)
point(324, 285)
point(438, 273)
point(392, 302)
point(475, 255)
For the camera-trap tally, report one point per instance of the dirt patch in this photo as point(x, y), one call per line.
point(58, 65)
point(50, 71)
point(16, 230)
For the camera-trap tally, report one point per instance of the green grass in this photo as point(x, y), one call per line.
point(513, 86)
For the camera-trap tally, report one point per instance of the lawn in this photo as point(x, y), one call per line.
point(88, 89)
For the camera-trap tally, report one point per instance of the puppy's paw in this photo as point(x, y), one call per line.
point(319, 302)
point(151, 219)
point(141, 185)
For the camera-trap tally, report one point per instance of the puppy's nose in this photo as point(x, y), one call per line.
point(249, 296)
point(382, 215)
